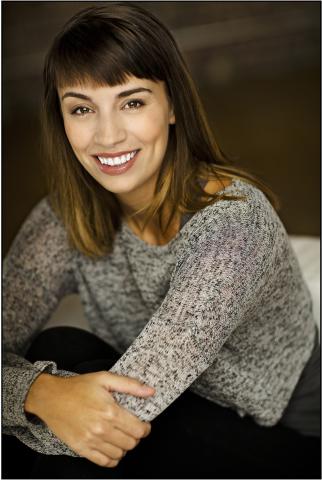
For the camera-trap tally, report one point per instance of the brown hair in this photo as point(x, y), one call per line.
point(103, 45)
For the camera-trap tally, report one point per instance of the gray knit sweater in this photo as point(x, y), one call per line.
point(221, 309)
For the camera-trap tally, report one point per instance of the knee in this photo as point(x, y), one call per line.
point(49, 342)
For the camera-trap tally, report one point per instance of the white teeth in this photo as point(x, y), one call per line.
point(117, 160)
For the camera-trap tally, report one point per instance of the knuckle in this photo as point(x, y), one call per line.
point(135, 382)
point(97, 429)
point(111, 412)
point(87, 437)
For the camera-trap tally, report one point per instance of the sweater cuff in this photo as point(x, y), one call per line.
point(22, 388)
point(42, 367)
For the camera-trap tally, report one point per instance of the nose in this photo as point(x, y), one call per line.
point(109, 131)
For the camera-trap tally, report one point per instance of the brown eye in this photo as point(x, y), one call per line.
point(81, 111)
point(133, 105)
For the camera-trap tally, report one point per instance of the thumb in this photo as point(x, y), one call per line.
point(123, 384)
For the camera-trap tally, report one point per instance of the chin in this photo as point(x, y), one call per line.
point(118, 186)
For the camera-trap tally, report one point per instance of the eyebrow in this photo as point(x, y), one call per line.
point(125, 93)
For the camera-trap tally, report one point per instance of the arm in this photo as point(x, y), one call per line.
point(219, 277)
point(76, 416)
point(37, 275)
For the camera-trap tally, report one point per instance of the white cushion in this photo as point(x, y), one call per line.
point(307, 250)
point(70, 312)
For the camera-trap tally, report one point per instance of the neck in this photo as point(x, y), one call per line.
point(136, 200)
point(152, 232)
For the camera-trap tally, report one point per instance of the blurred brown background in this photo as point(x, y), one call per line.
point(257, 68)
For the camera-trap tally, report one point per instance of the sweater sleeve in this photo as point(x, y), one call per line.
point(218, 278)
point(37, 274)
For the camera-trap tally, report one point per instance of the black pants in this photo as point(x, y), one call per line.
point(192, 438)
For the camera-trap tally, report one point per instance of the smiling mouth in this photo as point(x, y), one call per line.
point(114, 161)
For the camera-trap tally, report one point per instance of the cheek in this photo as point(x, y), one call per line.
point(78, 136)
point(152, 128)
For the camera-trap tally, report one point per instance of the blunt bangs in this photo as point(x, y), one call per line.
point(105, 51)
point(103, 46)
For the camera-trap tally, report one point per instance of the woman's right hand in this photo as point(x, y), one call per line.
point(82, 412)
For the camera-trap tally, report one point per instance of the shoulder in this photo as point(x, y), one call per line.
point(250, 220)
point(41, 230)
point(237, 235)
point(252, 214)
point(42, 214)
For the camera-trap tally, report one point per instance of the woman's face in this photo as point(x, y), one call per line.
point(119, 134)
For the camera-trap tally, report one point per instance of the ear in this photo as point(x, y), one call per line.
point(172, 117)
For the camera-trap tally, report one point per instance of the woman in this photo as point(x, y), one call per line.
point(185, 272)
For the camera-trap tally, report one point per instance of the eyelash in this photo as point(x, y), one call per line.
point(140, 102)
point(82, 114)
point(74, 111)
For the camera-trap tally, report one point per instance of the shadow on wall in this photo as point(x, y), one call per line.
point(257, 69)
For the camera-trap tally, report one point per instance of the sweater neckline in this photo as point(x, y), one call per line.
point(133, 238)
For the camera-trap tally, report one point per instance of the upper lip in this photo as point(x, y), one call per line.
point(112, 155)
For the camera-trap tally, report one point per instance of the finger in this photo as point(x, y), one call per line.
point(148, 429)
point(122, 384)
point(121, 440)
point(110, 450)
point(113, 464)
point(119, 417)
point(129, 423)
point(98, 458)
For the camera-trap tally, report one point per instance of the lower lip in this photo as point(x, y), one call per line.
point(116, 169)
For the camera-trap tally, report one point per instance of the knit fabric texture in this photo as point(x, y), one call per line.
point(221, 309)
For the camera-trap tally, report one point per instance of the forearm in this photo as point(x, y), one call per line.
point(18, 377)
